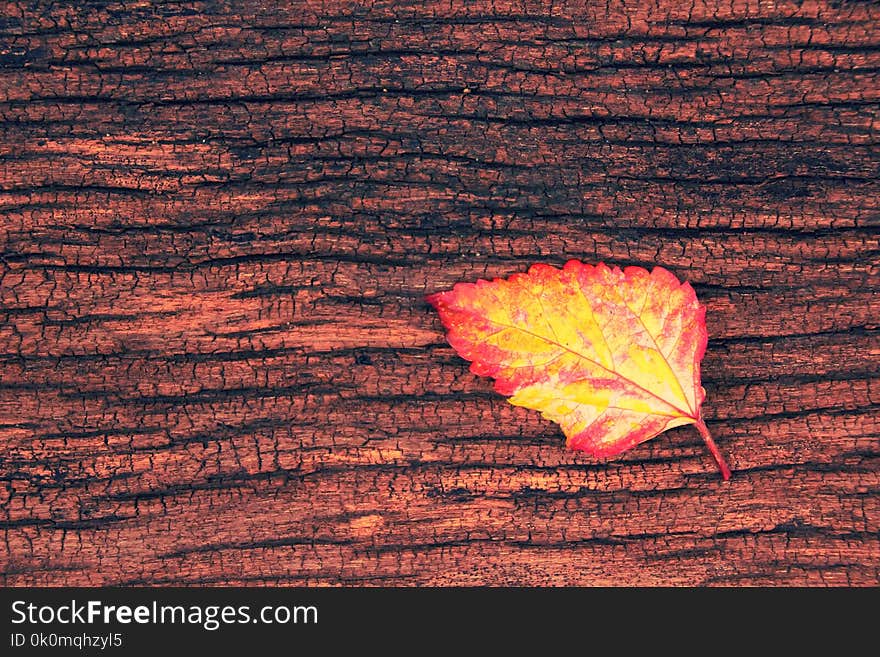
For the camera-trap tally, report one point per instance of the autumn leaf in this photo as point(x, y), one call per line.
point(612, 356)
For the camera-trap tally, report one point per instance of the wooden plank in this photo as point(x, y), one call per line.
point(218, 222)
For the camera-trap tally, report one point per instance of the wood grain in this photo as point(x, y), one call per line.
point(218, 222)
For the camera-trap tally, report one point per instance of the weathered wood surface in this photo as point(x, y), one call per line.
point(218, 222)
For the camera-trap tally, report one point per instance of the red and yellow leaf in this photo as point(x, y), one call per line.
point(612, 356)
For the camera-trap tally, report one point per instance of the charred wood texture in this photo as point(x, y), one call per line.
point(218, 222)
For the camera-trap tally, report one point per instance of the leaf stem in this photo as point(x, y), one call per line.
point(713, 448)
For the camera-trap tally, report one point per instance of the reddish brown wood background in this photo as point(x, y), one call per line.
point(218, 222)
